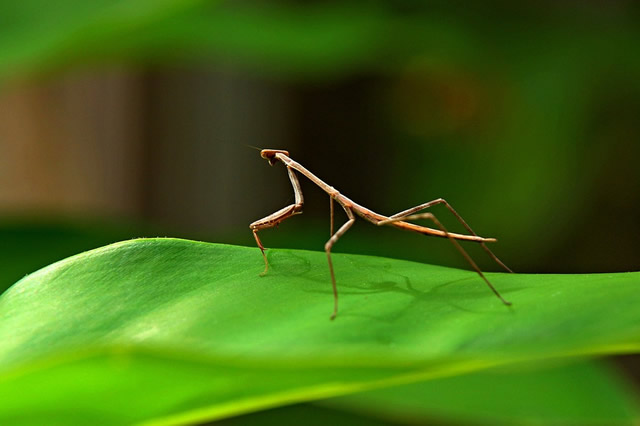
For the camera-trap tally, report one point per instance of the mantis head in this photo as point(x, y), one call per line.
point(270, 154)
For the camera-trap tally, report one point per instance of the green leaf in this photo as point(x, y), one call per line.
point(179, 331)
point(30, 243)
point(577, 394)
point(307, 414)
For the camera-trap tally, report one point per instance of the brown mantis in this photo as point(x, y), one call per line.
point(398, 220)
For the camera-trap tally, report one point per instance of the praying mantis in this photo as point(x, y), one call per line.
point(351, 208)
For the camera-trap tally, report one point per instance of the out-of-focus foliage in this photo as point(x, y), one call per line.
point(583, 393)
point(36, 35)
point(332, 37)
point(185, 331)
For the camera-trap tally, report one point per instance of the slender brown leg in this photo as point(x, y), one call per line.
point(327, 247)
point(331, 215)
point(415, 209)
point(462, 251)
point(275, 218)
point(261, 247)
point(271, 221)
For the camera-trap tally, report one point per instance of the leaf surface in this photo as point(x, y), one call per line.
point(177, 330)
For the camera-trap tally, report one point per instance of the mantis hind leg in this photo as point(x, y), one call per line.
point(406, 213)
point(463, 252)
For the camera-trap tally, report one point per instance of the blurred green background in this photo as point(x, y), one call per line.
point(121, 119)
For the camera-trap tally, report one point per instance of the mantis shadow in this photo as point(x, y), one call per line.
point(289, 264)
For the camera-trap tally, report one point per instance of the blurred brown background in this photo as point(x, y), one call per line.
point(525, 119)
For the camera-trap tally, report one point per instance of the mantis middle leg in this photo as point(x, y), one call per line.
point(327, 248)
